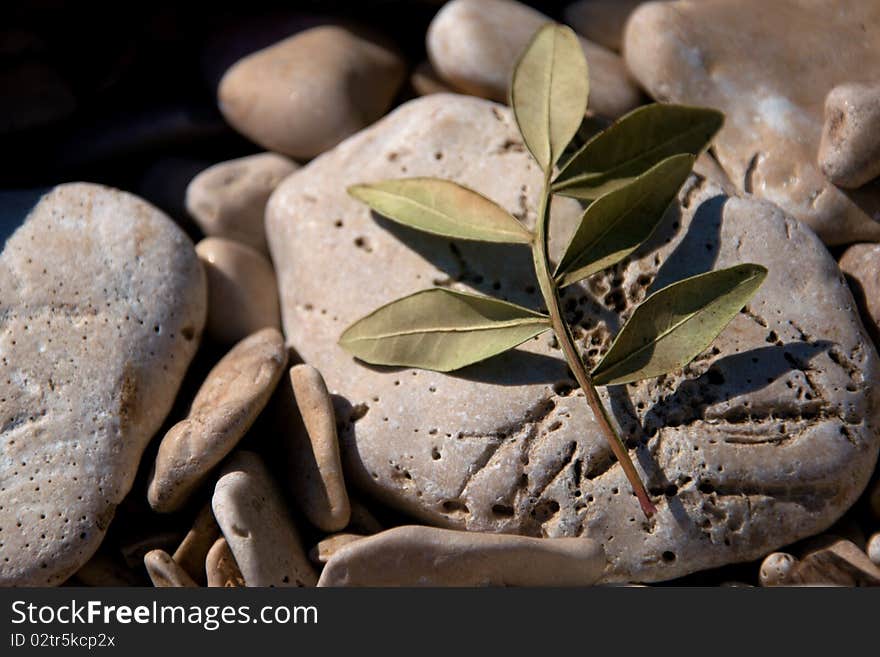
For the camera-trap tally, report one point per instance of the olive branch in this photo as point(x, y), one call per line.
point(629, 175)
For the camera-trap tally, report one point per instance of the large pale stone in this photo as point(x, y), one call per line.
point(767, 437)
point(474, 45)
point(849, 151)
point(102, 303)
point(769, 67)
point(307, 93)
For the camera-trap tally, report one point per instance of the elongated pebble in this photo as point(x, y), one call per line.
point(165, 572)
point(326, 548)
point(257, 525)
point(426, 556)
point(193, 549)
point(221, 568)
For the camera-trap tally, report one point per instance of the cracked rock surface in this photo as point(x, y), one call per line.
point(769, 67)
point(102, 304)
point(766, 438)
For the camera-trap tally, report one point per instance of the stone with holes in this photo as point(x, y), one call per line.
point(102, 303)
point(767, 437)
point(692, 53)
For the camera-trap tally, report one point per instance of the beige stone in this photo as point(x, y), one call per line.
point(776, 569)
point(230, 399)
point(102, 303)
point(165, 572)
point(221, 567)
point(242, 293)
point(315, 468)
point(229, 199)
point(257, 525)
point(768, 437)
point(840, 563)
point(193, 549)
point(305, 94)
point(849, 150)
point(861, 264)
point(873, 548)
point(424, 81)
point(427, 556)
point(474, 45)
point(601, 21)
point(327, 547)
point(695, 53)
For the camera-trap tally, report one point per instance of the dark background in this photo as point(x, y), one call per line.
point(100, 91)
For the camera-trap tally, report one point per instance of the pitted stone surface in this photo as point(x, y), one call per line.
point(766, 438)
point(102, 304)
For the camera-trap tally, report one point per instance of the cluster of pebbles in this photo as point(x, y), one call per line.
point(182, 414)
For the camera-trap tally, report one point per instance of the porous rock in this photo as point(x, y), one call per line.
point(102, 303)
point(474, 46)
point(765, 438)
point(227, 404)
point(228, 199)
point(767, 66)
point(307, 93)
point(427, 556)
point(256, 523)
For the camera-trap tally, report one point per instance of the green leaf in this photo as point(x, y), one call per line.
point(616, 224)
point(443, 208)
point(633, 144)
point(673, 325)
point(441, 330)
point(549, 92)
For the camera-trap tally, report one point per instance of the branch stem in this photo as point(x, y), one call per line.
point(550, 292)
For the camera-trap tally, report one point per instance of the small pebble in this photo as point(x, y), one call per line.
point(873, 549)
point(229, 401)
point(256, 523)
point(242, 292)
point(229, 199)
point(316, 469)
point(776, 569)
point(221, 567)
point(165, 572)
point(849, 151)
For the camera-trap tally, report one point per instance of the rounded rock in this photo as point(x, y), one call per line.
point(165, 572)
point(232, 396)
point(873, 549)
point(257, 525)
point(849, 150)
point(789, 391)
point(304, 95)
point(776, 569)
point(229, 199)
point(242, 291)
point(474, 45)
point(326, 548)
